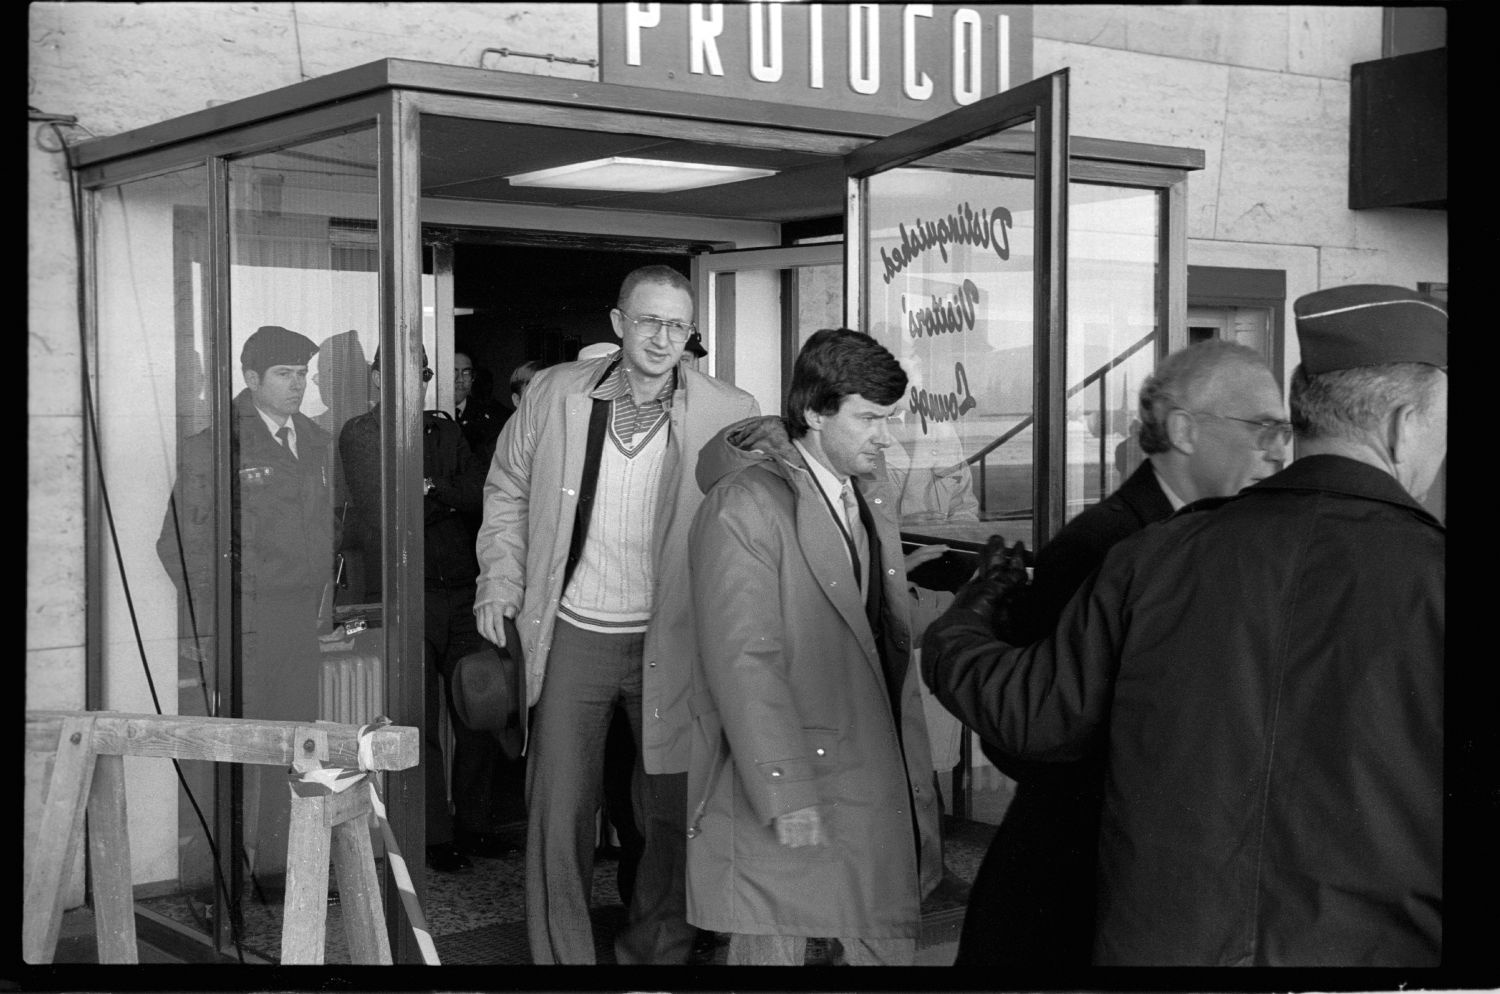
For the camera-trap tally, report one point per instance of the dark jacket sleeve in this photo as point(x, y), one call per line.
point(457, 476)
point(1045, 701)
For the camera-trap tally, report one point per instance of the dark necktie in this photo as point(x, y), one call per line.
point(283, 435)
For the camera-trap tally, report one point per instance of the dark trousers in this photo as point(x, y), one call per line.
point(280, 677)
point(450, 634)
point(588, 675)
point(1032, 901)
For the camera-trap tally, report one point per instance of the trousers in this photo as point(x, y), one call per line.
point(588, 675)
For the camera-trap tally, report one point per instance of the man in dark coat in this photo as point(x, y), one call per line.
point(479, 416)
point(281, 547)
point(452, 485)
point(1266, 678)
point(1032, 902)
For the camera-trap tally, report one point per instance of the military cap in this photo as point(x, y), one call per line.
point(1368, 324)
point(273, 345)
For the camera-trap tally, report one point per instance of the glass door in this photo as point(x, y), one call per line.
point(757, 303)
point(956, 247)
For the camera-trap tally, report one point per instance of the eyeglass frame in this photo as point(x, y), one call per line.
point(1282, 428)
point(689, 328)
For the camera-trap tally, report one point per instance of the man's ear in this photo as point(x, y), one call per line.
point(252, 379)
point(813, 418)
point(1182, 431)
point(1402, 433)
point(617, 322)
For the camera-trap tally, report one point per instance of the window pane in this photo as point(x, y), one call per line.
point(1114, 319)
point(304, 298)
point(950, 294)
point(152, 398)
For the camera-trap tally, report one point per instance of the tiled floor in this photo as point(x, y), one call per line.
point(478, 916)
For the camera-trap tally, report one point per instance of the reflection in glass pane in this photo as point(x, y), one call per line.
point(153, 395)
point(304, 298)
point(949, 292)
point(1113, 323)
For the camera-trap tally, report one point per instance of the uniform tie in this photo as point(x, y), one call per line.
point(856, 531)
point(283, 435)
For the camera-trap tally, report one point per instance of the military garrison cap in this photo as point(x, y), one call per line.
point(273, 345)
point(1368, 324)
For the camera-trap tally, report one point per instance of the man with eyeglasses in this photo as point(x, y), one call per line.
point(481, 418)
point(587, 506)
point(1263, 674)
point(1211, 423)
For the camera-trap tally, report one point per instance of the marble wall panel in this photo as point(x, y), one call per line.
point(339, 35)
point(1327, 40)
point(1251, 36)
point(123, 66)
point(54, 536)
point(1286, 161)
point(52, 370)
point(1128, 96)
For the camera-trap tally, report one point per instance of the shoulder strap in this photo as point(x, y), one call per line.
point(598, 422)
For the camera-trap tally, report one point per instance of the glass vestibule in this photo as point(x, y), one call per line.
point(247, 559)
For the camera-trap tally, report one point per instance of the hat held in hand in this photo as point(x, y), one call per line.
point(489, 691)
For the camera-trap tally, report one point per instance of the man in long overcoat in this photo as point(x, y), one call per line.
point(584, 543)
point(1212, 423)
point(1266, 678)
point(811, 771)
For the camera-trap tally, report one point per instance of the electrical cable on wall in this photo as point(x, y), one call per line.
point(56, 122)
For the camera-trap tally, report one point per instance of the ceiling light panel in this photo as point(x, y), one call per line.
point(627, 175)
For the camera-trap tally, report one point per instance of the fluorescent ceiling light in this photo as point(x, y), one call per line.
point(628, 175)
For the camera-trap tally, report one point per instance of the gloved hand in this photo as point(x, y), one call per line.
point(1001, 574)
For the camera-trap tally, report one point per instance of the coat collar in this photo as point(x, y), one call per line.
point(1342, 475)
point(1142, 494)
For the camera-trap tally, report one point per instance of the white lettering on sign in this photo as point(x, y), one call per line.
point(704, 28)
point(864, 48)
point(765, 60)
point(967, 56)
point(915, 85)
point(911, 59)
point(638, 16)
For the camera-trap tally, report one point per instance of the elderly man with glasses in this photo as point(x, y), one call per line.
point(1211, 423)
point(587, 506)
point(1262, 673)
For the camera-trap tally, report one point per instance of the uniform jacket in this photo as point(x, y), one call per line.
point(792, 710)
point(1272, 673)
point(481, 421)
point(457, 482)
point(282, 540)
point(531, 499)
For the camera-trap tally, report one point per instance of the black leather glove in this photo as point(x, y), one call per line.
point(1000, 576)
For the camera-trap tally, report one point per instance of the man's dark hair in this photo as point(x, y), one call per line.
point(835, 363)
point(664, 275)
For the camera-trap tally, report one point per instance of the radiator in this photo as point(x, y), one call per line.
point(353, 688)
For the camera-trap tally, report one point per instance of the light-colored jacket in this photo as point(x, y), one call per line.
point(791, 710)
point(531, 500)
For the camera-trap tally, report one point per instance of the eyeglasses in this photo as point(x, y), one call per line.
point(426, 374)
point(463, 374)
point(1269, 432)
point(650, 326)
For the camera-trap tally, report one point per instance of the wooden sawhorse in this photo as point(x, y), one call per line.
point(88, 776)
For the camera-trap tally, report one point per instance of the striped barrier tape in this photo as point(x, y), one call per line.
point(309, 778)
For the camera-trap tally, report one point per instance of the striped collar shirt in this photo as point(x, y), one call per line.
point(629, 420)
